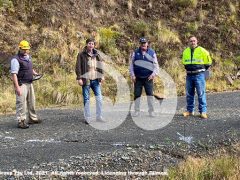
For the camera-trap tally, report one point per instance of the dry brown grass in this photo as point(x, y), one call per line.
point(221, 166)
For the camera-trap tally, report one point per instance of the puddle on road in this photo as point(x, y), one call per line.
point(31, 140)
point(8, 137)
point(119, 144)
point(42, 141)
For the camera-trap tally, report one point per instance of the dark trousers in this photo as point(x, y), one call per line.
point(148, 86)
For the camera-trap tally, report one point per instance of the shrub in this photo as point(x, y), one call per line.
point(165, 34)
point(192, 27)
point(140, 28)
point(6, 5)
point(108, 37)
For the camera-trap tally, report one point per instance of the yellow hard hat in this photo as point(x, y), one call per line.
point(24, 45)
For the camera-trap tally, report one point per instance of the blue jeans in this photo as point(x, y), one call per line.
point(95, 86)
point(196, 81)
point(148, 86)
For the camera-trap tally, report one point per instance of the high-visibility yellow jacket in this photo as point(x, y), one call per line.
point(200, 57)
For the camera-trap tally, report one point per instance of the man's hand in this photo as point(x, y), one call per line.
point(19, 91)
point(133, 78)
point(151, 77)
point(80, 82)
point(35, 73)
point(102, 80)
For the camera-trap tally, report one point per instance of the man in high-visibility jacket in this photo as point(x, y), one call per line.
point(196, 60)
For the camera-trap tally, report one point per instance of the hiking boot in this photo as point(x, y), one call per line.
point(87, 120)
point(203, 115)
point(100, 119)
point(186, 114)
point(136, 114)
point(22, 124)
point(34, 121)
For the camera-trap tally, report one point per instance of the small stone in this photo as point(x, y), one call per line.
point(125, 158)
point(151, 147)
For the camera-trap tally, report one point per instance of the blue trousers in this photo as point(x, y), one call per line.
point(196, 81)
point(95, 86)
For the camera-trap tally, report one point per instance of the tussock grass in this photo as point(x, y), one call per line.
point(192, 27)
point(6, 5)
point(186, 3)
point(232, 8)
point(129, 5)
point(62, 90)
point(165, 34)
point(221, 167)
point(7, 100)
point(140, 28)
point(108, 37)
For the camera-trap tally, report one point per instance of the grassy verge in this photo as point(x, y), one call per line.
point(224, 165)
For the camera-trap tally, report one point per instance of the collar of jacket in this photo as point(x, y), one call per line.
point(140, 50)
point(22, 57)
point(194, 48)
point(95, 52)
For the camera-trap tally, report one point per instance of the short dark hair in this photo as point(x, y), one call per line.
point(90, 40)
point(192, 37)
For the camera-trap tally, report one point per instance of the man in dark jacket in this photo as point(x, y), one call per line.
point(143, 69)
point(89, 73)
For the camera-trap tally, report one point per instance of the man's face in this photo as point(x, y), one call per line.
point(193, 42)
point(24, 52)
point(144, 46)
point(90, 46)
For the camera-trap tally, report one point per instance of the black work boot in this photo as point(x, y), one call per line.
point(22, 124)
point(34, 121)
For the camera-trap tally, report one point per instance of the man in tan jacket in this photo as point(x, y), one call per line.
point(90, 75)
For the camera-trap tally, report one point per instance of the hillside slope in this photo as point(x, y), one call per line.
point(166, 23)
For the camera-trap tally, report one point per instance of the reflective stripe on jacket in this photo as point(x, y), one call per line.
point(200, 56)
point(139, 71)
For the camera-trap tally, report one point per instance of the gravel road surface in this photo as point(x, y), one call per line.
point(64, 143)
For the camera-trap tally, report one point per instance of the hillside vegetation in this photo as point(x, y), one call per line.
point(58, 29)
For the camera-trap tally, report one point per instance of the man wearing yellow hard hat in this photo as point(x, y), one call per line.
point(22, 75)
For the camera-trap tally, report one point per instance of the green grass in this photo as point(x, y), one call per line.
point(108, 37)
point(6, 5)
point(165, 34)
point(7, 100)
point(223, 167)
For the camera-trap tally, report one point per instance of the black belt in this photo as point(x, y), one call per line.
point(195, 72)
